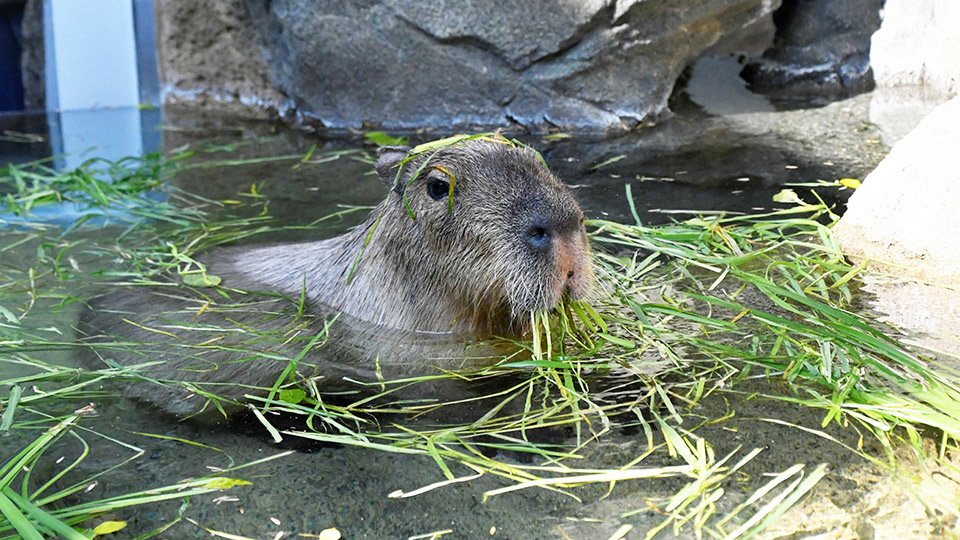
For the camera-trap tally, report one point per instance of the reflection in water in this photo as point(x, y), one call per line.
point(228, 347)
point(72, 137)
point(716, 86)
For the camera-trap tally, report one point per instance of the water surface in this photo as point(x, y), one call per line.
point(691, 163)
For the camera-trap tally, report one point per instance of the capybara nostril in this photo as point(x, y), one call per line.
point(538, 238)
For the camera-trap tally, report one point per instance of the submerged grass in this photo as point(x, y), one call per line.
point(32, 512)
point(52, 254)
point(688, 311)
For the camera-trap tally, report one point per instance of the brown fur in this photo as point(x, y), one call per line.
point(469, 271)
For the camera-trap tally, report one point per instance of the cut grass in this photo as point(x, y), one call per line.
point(53, 220)
point(33, 512)
point(690, 310)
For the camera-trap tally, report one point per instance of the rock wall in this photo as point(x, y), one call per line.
point(903, 222)
point(822, 48)
point(403, 64)
point(906, 212)
point(209, 55)
point(915, 58)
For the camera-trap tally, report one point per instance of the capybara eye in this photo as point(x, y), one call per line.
point(438, 189)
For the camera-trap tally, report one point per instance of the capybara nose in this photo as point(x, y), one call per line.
point(538, 237)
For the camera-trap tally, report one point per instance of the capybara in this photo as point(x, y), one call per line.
point(471, 238)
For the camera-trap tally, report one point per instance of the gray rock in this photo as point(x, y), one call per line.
point(904, 218)
point(822, 47)
point(505, 32)
point(401, 64)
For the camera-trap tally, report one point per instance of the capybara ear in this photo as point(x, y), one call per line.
point(387, 159)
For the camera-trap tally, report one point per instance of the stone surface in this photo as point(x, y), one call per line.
point(904, 221)
point(931, 313)
point(896, 110)
point(905, 217)
point(403, 64)
point(919, 44)
point(822, 47)
point(208, 54)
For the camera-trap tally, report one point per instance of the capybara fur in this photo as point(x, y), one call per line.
point(415, 286)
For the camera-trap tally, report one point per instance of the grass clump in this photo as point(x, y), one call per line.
point(773, 293)
point(27, 509)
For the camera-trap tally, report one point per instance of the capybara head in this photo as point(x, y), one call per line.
point(503, 235)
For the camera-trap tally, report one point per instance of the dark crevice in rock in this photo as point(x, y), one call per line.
point(460, 42)
point(516, 122)
point(32, 60)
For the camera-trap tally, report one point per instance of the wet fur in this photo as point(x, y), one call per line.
point(423, 287)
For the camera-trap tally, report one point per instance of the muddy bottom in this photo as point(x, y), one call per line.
point(691, 163)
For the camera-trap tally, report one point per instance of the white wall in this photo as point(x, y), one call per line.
point(94, 54)
point(93, 87)
point(918, 44)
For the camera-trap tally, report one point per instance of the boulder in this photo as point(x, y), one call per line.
point(590, 65)
point(822, 48)
point(903, 222)
point(916, 63)
point(208, 56)
point(905, 216)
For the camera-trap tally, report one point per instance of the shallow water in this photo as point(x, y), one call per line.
point(692, 162)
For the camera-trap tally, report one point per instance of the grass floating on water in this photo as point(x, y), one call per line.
point(689, 310)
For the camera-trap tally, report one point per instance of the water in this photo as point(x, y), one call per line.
point(693, 162)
